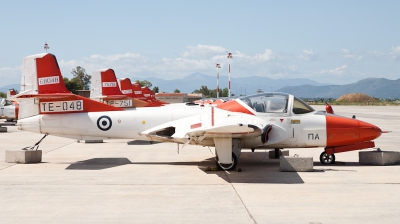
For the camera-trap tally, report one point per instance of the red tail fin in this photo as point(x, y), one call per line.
point(10, 93)
point(126, 87)
point(109, 83)
point(49, 76)
point(104, 83)
point(137, 89)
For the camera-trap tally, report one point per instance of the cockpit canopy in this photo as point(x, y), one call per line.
point(267, 102)
point(5, 102)
point(275, 103)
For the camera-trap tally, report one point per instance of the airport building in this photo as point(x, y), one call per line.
point(178, 97)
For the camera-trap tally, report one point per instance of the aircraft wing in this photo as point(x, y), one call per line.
point(200, 134)
point(198, 128)
point(230, 131)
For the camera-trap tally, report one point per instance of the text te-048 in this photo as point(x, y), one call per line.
point(61, 106)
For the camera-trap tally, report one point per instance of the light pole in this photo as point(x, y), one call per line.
point(46, 46)
point(218, 67)
point(229, 70)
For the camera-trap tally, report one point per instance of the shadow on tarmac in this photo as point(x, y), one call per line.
point(255, 168)
point(258, 168)
point(98, 164)
point(141, 142)
point(8, 123)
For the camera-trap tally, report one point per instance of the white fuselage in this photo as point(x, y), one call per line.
point(125, 124)
point(289, 130)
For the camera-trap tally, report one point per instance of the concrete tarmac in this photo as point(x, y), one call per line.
point(127, 181)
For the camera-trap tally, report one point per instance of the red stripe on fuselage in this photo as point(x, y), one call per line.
point(234, 106)
point(212, 116)
point(198, 125)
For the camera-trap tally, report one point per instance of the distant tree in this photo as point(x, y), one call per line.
point(205, 91)
point(224, 92)
point(72, 85)
point(212, 93)
point(177, 91)
point(81, 77)
point(155, 89)
point(3, 95)
point(144, 83)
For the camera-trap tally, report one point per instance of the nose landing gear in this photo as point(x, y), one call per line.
point(326, 158)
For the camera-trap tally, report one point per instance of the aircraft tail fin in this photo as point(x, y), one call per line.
point(41, 75)
point(11, 93)
point(104, 83)
point(126, 87)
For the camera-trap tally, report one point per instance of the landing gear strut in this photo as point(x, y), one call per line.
point(327, 158)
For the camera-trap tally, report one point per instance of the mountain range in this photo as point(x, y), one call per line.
point(374, 87)
point(242, 85)
point(4, 89)
point(306, 88)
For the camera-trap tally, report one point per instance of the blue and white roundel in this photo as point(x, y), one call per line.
point(104, 123)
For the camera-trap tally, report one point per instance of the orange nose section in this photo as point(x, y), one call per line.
point(347, 131)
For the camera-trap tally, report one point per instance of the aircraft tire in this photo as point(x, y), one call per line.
point(230, 166)
point(325, 158)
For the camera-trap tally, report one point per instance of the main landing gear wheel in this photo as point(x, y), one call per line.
point(327, 158)
point(230, 166)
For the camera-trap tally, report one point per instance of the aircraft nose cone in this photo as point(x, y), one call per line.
point(369, 131)
point(347, 131)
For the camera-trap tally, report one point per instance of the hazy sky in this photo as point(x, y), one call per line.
point(328, 41)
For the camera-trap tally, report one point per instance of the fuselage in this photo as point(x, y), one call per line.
point(293, 126)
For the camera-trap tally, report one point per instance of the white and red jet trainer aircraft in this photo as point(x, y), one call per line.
point(8, 108)
point(263, 121)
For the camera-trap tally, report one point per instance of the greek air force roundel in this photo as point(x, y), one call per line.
point(104, 123)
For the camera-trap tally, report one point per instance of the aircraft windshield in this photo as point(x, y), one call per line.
point(7, 102)
point(300, 107)
point(267, 102)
